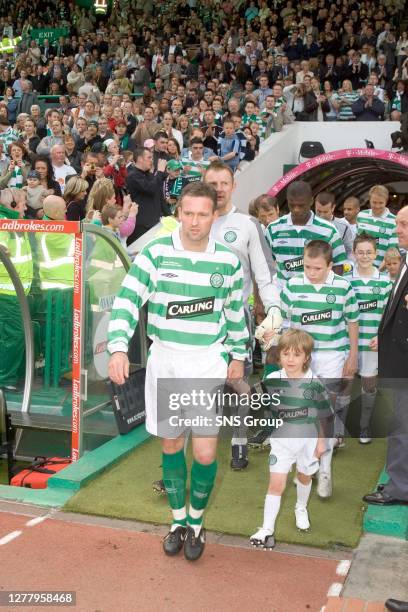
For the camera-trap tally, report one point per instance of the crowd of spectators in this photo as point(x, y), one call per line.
point(184, 81)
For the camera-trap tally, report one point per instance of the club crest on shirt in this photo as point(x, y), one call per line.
point(376, 290)
point(230, 236)
point(330, 298)
point(216, 280)
point(309, 393)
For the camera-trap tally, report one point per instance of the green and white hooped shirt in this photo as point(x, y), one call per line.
point(302, 401)
point(194, 298)
point(288, 241)
point(372, 295)
point(383, 229)
point(323, 311)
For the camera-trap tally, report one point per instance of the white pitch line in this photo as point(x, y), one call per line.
point(9, 537)
point(343, 568)
point(334, 589)
point(36, 520)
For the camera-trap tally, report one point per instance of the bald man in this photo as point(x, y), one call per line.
point(61, 169)
point(55, 250)
point(54, 208)
point(393, 372)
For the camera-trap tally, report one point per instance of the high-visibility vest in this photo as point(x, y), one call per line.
point(8, 45)
point(19, 250)
point(56, 260)
point(101, 7)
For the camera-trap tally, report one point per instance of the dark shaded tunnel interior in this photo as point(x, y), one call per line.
point(354, 177)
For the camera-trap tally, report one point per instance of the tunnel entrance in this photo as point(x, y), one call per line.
point(350, 172)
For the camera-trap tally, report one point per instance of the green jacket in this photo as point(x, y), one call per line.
point(18, 247)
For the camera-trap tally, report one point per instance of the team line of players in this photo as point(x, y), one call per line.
point(331, 319)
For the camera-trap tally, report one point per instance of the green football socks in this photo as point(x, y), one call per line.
point(202, 483)
point(175, 477)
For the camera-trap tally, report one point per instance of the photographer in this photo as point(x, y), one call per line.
point(368, 107)
point(16, 173)
point(115, 169)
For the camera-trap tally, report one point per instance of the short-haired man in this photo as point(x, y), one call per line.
point(351, 208)
point(195, 333)
point(146, 189)
point(244, 236)
point(160, 148)
point(379, 222)
point(194, 162)
point(368, 107)
point(288, 235)
point(61, 169)
point(325, 205)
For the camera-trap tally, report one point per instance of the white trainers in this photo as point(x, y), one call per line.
point(324, 485)
point(365, 437)
point(302, 518)
point(263, 538)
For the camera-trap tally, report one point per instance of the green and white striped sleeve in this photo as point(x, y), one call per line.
point(237, 333)
point(351, 310)
point(286, 303)
point(323, 404)
point(137, 287)
point(339, 252)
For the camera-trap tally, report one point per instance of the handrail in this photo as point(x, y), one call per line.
point(28, 330)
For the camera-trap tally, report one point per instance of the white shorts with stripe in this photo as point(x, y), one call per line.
point(285, 452)
point(167, 372)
